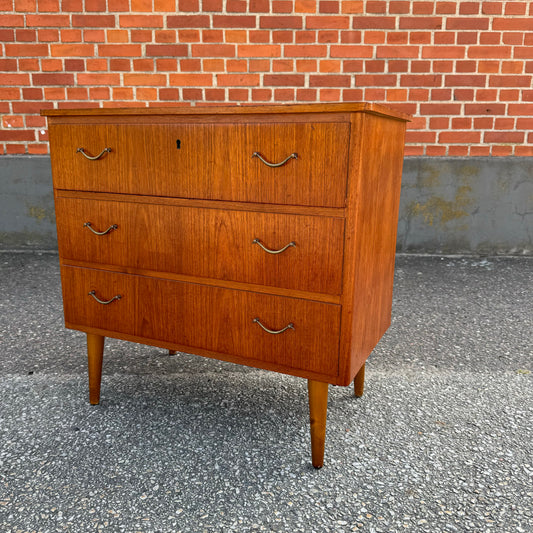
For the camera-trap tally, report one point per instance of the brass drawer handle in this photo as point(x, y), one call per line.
point(257, 241)
point(271, 331)
point(89, 225)
point(93, 158)
point(292, 156)
point(93, 294)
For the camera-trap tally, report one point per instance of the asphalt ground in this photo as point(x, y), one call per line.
point(441, 441)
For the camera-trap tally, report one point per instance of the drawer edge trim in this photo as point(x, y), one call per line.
point(244, 361)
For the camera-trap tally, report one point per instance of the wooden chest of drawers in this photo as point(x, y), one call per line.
point(264, 236)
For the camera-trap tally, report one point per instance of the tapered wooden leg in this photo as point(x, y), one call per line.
point(359, 382)
point(95, 352)
point(318, 409)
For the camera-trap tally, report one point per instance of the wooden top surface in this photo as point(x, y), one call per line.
point(346, 107)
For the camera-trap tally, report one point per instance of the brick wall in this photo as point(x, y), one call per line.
point(462, 69)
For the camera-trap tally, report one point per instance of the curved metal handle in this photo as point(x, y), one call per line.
point(268, 250)
point(93, 158)
point(89, 225)
point(294, 155)
point(93, 294)
point(271, 331)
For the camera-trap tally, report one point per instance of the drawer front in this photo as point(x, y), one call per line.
point(205, 242)
point(209, 161)
point(207, 318)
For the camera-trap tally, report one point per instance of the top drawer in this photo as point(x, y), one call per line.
point(209, 161)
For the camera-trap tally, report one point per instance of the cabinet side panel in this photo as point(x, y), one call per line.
point(373, 202)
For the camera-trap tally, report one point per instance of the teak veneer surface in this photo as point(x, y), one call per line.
point(185, 196)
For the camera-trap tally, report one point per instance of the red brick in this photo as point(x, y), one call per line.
point(95, 5)
point(318, 22)
point(399, 7)
point(139, 79)
point(166, 65)
point(119, 64)
point(490, 52)
point(71, 36)
point(329, 66)
point(7, 35)
point(217, 95)
point(352, 6)
point(515, 38)
point(459, 137)
point(444, 37)
point(93, 21)
point(99, 79)
point(525, 151)
point(328, 6)
point(233, 21)
point(26, 35)
point(376, 6)
point(484, 123)
point(435, 109)
point(512, 67)
point(398, 37)
point(118, 5)
point(71, 50)
point(350, 37)
point(467, 37)
point(513, 24)
point(260, 6)
point(188, 5)
point(192, 94)
point(489, 37)
point(504, 137)
point(306, 50)
point(509, 81)
point(461, 123)
point(374, 37)
point(504, 123)
point(327, 80)
point(486, 95)
point(122, 50)
point(420, 37)
point(141, 6)
point(420, 23)
point(446, 8)
point(236, 80)
point(515, 8)
point(26, 50)
point(398, 65)
point(280, 36)
point(236, 6)
point(304, 36)
point(7, 65)
point(143, 65)
point(238, 95)
point(259, 95)
point(491, 8)
point(213, 65)
point(351, 51)
point(259, 65)
point(236, 65)
point(141, 21)
point(469, 8)
point(387, 23)
point(63, 79)
point(213, 50)
point(454, 52)
point(467, 23)
point(397, 51)
point(466, 95)
point(521, 52)
point(259, 50)
point(48, 35)
point(280, 6)
point(171, 50)
point(420, 80)
point(192, 80)
point(377, 80)
point(459, 80)
point(465, 66)
point(51, 65)
point(486, 109)
point(423, 8)
point(273, 22)
point(29, 64)
point(306, 65)
point(286, 80)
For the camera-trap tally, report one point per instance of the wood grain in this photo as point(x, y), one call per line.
point(209, 243)
point(208, 318)
point(213, 161)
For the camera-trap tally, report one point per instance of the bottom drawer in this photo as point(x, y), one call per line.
point(208, 318)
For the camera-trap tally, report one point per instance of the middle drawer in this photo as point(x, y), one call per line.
point(299, 252)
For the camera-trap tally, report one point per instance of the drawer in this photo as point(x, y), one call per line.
point(208, 161)
point(206, 318)
point(205, 242)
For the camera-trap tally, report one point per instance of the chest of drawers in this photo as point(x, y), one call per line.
point(264, 236)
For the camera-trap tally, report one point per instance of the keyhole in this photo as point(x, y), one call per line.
point(178, 144)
